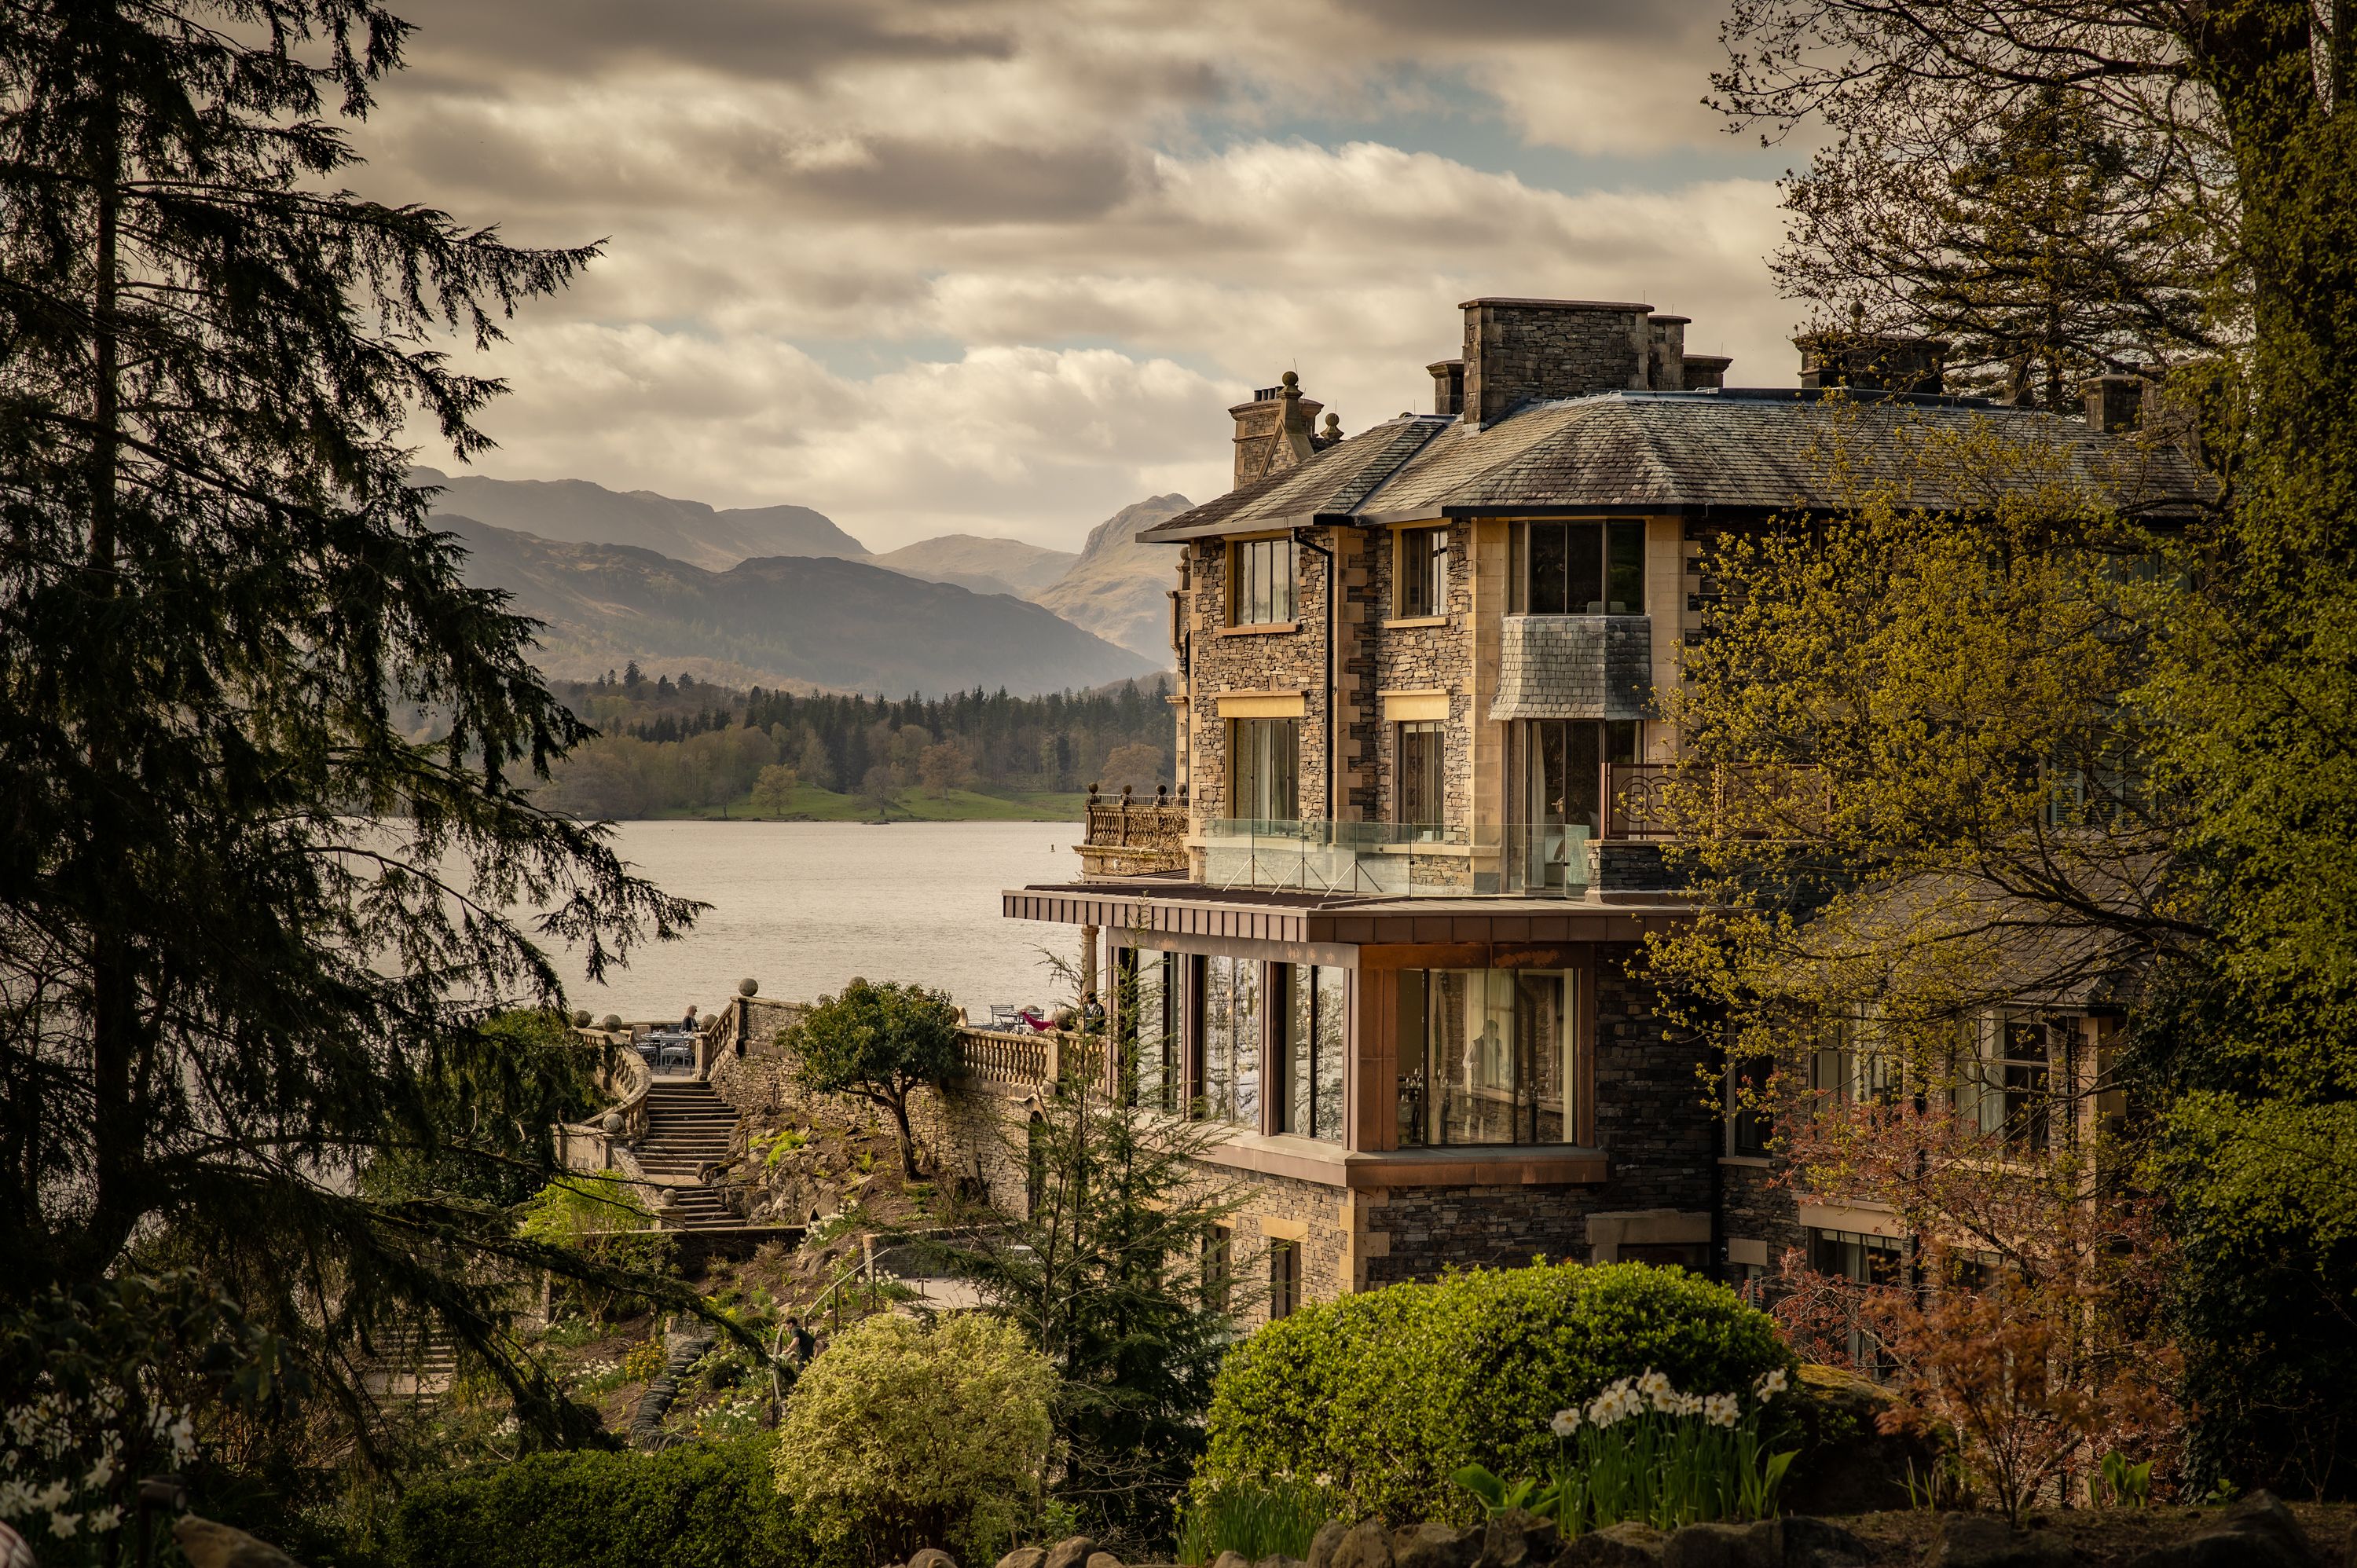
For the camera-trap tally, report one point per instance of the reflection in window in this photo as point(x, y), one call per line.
point(1231, 1019)
point(1310, 1099)
point(1262, 589)
point(1485, 1056)
point(1147, 992)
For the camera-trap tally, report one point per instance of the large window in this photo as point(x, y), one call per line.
point(1487, 1056)
point(1565, 766)
point(1229, 1086)
point(2007, 1085)
point(1423, 572)
point(1265, 759)
point(1262, 572)
point(1147, 996)
point(1578, 568)
point(1310, 1098)
point(1419, 801)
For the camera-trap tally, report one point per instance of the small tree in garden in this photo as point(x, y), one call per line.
point(881, 1043)
point(902, 1436)
point(773, 789)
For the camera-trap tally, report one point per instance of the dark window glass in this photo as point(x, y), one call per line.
point(2028, 1074)
point(1309, 1095)
point(1584, 565)
point(1750, 1126)
point(1624, 572)
point(1284, 1278)
point(1422, 776)
point(1564, 786)
point(1580, 568)
point(1219, 1252)
point(1549, 555)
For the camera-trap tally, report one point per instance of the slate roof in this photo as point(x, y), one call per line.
point(1693, 453)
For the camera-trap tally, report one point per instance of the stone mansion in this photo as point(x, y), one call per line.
point(1386, 931)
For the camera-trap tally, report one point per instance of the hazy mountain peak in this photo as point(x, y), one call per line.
point(1120, 589)
point(578, 511)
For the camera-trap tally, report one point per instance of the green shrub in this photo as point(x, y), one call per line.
point(1387, 1394)
point(700, 1506)
point(900, 1436)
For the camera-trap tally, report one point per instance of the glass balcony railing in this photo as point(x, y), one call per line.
point(1388, 860)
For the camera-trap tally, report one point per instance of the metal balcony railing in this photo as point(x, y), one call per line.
point(1390, 860)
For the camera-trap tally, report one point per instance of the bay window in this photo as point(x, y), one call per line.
point(1577, 568)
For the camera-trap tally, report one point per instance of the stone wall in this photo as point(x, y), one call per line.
point(1422, 658)
point(1257, 661)
point(1652, 1114)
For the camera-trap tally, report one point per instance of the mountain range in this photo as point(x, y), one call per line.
point(796, 623)
point(1115, 589)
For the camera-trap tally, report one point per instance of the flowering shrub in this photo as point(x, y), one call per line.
point(1641, 1450)
point(1390, 1393)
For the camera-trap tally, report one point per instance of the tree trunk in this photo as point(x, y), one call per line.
point(900, 1105)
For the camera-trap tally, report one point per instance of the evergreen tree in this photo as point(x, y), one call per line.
point(248, 929)
point(2035, 248)
point(1112, 1269)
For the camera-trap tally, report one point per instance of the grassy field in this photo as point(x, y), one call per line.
point(810, 804)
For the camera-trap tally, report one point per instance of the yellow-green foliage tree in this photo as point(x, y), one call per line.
point(902, 1436)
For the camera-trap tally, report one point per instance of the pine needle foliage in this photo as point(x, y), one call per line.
point(249, 932)
point(1115, 1269)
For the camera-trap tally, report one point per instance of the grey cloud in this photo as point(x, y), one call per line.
point(962, 183)
point(773, 41)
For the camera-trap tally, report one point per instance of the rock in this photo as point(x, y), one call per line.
point(1280, 1561)
point(1231, 1560)
point(1626, 1545)
point(1718, 1546)
point(1364, 1545)
point(1321, 1545)
point(2256, 1533)
point(1517, 1538)
point(1024, 1557)
point(1847, 1463)
point(1072, 1551)
point(210, 1545)
point(1096, 1560)
point(932, 1557)
point(1798, 1541)
point(1984, 1540)
point(1435, 1546)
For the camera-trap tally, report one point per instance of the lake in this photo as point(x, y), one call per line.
point(803, 906)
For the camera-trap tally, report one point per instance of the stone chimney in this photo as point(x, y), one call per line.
point(1448, 386)
point(1276, 430)
point(1706, 372)
point(1665, 353)
point(1872, 361)
point(2116, 403)
point(1519, 350)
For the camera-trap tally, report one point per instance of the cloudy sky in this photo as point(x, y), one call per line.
point(999, 266)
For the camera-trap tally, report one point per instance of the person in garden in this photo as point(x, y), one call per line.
point(689, 1024)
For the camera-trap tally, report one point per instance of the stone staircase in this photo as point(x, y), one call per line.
point(688, 1126)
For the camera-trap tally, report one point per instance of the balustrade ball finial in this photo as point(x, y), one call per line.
point(1124, 793)
point(1092, 794)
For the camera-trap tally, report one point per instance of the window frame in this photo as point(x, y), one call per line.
point(1620, 562)
point(1428, 829)
point(1418, 1079)
point(1284, 1277)
point(1420, 561)
point(1238, 732)
point(1254, 583)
